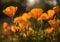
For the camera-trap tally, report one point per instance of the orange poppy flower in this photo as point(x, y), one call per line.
point(52, 23)
point(44, 16)
point(49, 30)
point(21, 27)
point(56, 9)
point(6, 28)
point(36, 12)
point(26, 16)
point(14, 28)
point(21, 19)
point(10, 11)
point(17, 19)
point(51, 13)
point(5, 25)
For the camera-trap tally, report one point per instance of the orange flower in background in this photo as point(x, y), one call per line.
point(44, 16)
point(10, 11)
point(5, 25)
point(56, 9)
point(36, 12)
point(51, 13)
point(49, 30)
point(6, 28)
point(52, 23)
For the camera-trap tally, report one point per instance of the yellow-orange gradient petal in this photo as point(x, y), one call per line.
point(17, 19)
point(26, 16)
point(51, 13)
point(10, 11)
point(44, 16)
point(21, 27)
point(52, 23)
point(14, 28)
point(49, 30)
point(36, 12)
point(21, 20)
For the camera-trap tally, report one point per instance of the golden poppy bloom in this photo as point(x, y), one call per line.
point(36, 12)
point(10, 11)
point(14, 28)
point(26, 16)
point(21, 20)
point(52, 23)
point(17, 19)
point(44, 16)
point(6, 28)
point(21, 27)
point(56, 9)
point(5, 25)
point(49, 30)
point(51, 13)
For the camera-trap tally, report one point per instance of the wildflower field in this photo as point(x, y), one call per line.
point(33, 26)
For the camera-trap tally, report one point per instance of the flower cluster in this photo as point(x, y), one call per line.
point(29, 26)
